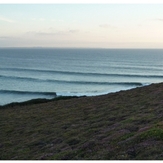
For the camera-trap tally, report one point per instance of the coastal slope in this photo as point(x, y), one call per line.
point(126, 125)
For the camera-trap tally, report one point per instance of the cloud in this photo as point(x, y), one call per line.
point(56, 33)
point(55, 20)
point(160, 20)
point(6, 20)
point(5, 37)
point(106, 26)
point(41, 19)
point(38, 19)
point(73, 31)
point(157, 19)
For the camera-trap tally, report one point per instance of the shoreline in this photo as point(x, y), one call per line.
point(60, 97)
point(38, 101)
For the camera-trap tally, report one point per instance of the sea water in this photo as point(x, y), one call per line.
point(29, 73)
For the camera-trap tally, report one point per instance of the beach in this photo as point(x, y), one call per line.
point(126, 125)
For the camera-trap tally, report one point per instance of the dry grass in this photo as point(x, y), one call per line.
point(127, 125)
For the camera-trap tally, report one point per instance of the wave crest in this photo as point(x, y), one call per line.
point(27, 93)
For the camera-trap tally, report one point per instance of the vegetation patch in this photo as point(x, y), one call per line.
point(153, 133)
point(126, 125)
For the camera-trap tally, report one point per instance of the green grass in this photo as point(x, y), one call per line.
point(153, 133)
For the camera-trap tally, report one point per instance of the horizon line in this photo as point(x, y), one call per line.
point(40, 47)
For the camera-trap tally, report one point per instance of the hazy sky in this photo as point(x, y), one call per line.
point(82, 25)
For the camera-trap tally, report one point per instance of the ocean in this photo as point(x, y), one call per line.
point(29, 73)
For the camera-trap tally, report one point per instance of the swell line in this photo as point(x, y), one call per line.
point(96, 74)
point(72, 81)
point(105, 83)
point(27, 92)
point(71, 72)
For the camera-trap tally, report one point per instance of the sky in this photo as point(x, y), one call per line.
point(81, 25)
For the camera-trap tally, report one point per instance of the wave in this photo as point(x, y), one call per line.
point(103, 66)
point(72, 82)
point(98, 83)
point(28, 93)
point(101, 83)
point(80, 73)
point(83, 74)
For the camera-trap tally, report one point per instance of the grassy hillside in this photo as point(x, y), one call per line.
point(118, 126)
